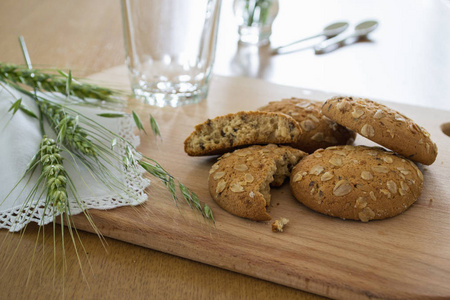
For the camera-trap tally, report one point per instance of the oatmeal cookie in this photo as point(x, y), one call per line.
point(384, 126)
point(318, 131)
point(356, 182)
point(240, 181)
point(226, 133)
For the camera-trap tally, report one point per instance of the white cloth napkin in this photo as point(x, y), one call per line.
point(20, 137)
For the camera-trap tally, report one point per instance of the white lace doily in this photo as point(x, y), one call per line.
point(20, 137)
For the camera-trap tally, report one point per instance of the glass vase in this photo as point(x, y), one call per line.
point(255, 19)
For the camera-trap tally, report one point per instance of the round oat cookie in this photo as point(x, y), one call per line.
point(240, 181)
point(384, 126)
point(318, 131)
point(356, 182)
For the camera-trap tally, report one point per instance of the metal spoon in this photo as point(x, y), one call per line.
point(362, 29)
point(329, 31)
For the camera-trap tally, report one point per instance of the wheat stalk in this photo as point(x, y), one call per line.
point(87, 145)
point(55, 81)
point(54, 173)
point(67, 127)
point(76, 139)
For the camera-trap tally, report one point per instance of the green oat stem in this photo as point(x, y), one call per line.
point(156, 170)
point(53, 178)
point(155, 127)
point(56, 82)
point(86, 141)
point(75, 138)
point(138, 122)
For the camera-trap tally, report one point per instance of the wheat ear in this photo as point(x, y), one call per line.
point(55, 82)
point(70, 133)
point(54, 173)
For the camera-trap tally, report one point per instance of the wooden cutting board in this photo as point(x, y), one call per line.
point(403, 257)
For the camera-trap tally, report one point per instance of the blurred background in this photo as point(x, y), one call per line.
point(406, 59)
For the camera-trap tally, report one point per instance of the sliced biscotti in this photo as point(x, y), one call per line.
point(240, 181)
point(225, 133)
point(356, 182)
point(318, 131)
point(384, 126)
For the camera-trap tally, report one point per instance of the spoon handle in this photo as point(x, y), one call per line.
point(275, 50)
point(331, 43)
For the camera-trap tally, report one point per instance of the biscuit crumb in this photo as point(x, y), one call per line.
point(278, 225)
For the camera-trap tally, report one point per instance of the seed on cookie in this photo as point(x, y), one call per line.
point(366, 214)
point(236, 187)
point(218, 175)
point(297, 177)
point(398, 117)
point(343, 106)
point(392, 186)
point(244, 153)
point(378, 114)
point(220, 186)
point(335, 161)
point(307, 125)
point(367, 130)
point(316, 170)
point(214, 168)
point(342, 153)
point(366, 175)
point(249, 177)
point(342, 188)
point(326, 176)
point(361, 202)
point(386, 193)
point(241, 167)
point(404, 186)
point(314, 118)
point(357, 113)
point(380, 169)
point(388, 159)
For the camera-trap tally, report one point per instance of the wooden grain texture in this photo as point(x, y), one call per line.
point(83, 35)
point(404, 257)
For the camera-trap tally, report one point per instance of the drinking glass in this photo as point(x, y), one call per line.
point(170, 48)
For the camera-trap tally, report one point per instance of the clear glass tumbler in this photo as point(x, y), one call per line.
point(170, 48)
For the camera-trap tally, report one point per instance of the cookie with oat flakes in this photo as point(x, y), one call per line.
point(318, 131)
point(226, 133)
point(356, 182)
point(384, 126)
point(240, 181)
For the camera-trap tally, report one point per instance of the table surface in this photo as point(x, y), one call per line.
point(406, 60)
